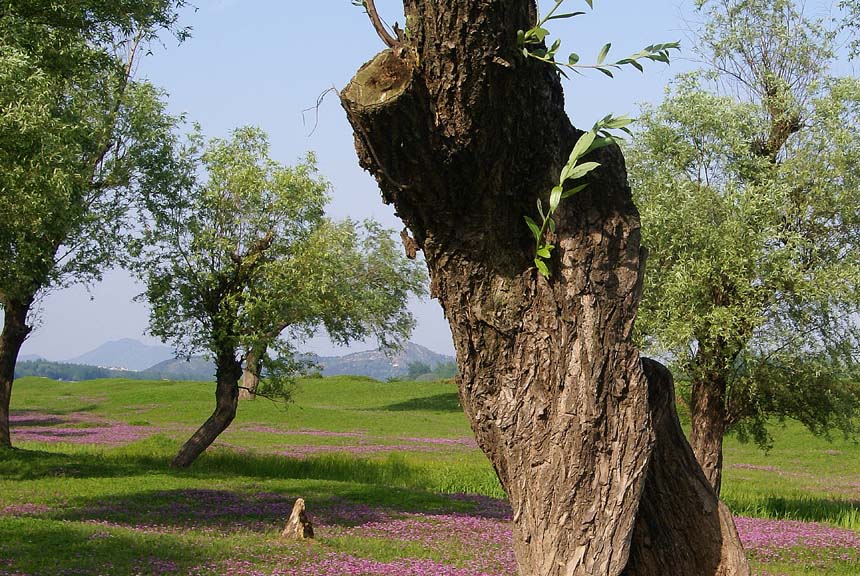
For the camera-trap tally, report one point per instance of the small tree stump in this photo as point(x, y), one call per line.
point(298, 526)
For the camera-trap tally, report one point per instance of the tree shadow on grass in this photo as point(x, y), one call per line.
point(223, 511)
point(845, 513)
point(47, 547)
point(215, 464)
point(26, 419)
point(448, 402)
point(228, 511)
point(20, 464)
point(339, 490)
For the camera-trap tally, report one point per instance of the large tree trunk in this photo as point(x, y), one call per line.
point(250, 375)
point(708, 425)
point(227, 374)
point(464, 134)
point(15, 331)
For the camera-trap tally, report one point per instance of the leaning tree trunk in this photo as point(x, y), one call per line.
point(708, 425)
point(464, 134)
point(15, 331)
point(227, 374)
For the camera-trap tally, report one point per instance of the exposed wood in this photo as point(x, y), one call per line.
point(298, 526)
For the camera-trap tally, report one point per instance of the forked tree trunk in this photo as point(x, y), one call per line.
point(681, 527)
point(15, 331)
point(227, 374)
point(250, 376)
point(708, 426)
point(464, 134)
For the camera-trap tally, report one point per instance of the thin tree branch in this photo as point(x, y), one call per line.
point(379, 26)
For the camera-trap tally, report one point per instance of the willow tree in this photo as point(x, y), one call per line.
point(79, 138)
point(462, 122)
point(242, 252)
point(850, 23)
point(750, 195)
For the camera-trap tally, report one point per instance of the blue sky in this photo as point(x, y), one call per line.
point(264, 62)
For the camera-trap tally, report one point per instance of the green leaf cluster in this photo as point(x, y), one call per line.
point(532, 44)
point(243, 252)
point(850, 24)
point(598, 137)
point(78, 136)
point(753, 274)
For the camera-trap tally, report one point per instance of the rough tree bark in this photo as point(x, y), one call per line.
point(463, 135)
point(15, 331)
point(228, 371)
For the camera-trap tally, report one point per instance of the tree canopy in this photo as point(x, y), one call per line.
point(748, 181)
point(244, 252)
point(79, 137)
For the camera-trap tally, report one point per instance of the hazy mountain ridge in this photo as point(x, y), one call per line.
point(373, 363)
point(124, 354)
point(377, 364)
point(194, 368)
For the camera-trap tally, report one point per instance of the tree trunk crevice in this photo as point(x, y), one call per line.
point(463, 143)
point(682, 527)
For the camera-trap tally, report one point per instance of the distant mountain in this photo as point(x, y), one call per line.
point(66, 372)
point(125, 354)
point(124, 359)
point(197, 368)
point(376, 364)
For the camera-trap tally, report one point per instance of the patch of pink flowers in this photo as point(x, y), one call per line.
point(756, 467)
point(300, 432)
point(344, 564)
point(74, 428)
point(464, 442)
point(27, 509)
point(302, 450)
point(760, 534)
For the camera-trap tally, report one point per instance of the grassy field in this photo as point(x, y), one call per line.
point(391, 475)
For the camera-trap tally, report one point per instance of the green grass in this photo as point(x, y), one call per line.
point(89, 502)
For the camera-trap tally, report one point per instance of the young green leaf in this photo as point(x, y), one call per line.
point(583, 169)
point(533, 227)
point(583, 144)
point(603, 52)
point(542, 267)
point(544, 251)
point(554, 198)
point(568, 15)
point(601, 143)
point(572, 191)
point(538, 33)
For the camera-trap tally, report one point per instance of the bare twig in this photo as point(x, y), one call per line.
point(316, 109)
